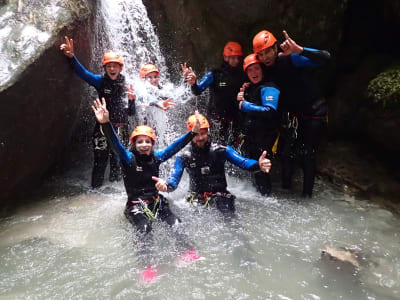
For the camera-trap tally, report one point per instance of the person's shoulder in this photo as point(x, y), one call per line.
point(217, 147)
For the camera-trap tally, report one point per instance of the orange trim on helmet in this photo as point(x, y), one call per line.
point(147, 69)
point(143, 130)
point(263, 40)
point(112, 57)
point(233, 49)
point(192, 120)
point(249, 60)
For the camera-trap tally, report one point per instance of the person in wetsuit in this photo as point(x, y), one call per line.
point(258, 101)
point(139, 165)
point(205, 164)
point(110, 86)
point(224, 84)
point(150, 96)
point(300, 100)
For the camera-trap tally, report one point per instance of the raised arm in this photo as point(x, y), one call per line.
point(174, 148)
point(205, 82)
point(68, 49)
point(176, 175)
point(102, 116)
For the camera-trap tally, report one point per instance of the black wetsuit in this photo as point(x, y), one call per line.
point(206, 169)
point(301, 98)
point(113, 91)
point(144, 202)
point(260, 126)
point(224, 83)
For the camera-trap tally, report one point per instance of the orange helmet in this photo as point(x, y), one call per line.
point(232, 49)
point(192, 120)
point(263, 40)
point(112, 57)
point(249, 60)
point(143, 130)
point(146, 69)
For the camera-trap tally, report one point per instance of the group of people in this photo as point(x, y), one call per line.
point(263, 98)
point(278, 105)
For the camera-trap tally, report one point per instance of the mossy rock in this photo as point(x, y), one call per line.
point(385, 88)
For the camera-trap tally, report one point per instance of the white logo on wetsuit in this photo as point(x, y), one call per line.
point(205, 170)
point(139, 169)
point(107, 91)
point(100, 143)
point(223, 83)
point(269, 98)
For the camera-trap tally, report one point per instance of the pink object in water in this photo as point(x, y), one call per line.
point(188, 257)
point(149, 275)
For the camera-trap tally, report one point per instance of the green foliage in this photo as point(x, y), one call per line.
point(385, 87)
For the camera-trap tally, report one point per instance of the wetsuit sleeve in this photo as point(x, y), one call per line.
point(240, 161)
point(310, 58)
point(269, 100)
point(163, 155)
point(176, 175)
point(116, 146)
point(92, 79)
point(204, 83)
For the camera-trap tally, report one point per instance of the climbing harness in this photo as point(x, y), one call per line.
point(151, 215)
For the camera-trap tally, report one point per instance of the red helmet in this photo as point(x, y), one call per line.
point(263, 40)
point(143, 130)
point(192, 120)
point(112, 57)
point(233, 49)
point(146, 69)
point(249, 60)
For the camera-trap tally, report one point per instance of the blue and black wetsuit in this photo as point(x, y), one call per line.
point(224, 84)
point(113, 91)
point(144, 202)
point(260, 126)
point(300, 97)
point(206, 169)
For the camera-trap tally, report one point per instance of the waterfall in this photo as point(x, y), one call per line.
point(123, 26)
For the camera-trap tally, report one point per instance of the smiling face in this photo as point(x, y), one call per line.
point(113, 69)
point(268, 55)
point(153, 78)
point(201, 138)
point(143, 144)
point(255, 73)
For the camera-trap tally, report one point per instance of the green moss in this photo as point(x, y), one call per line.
point(385, 88)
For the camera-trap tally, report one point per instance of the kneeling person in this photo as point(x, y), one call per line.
point(205, 164)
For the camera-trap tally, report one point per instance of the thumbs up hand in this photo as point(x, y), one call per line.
point(264, 163)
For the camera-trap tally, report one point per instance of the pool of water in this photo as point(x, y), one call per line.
point(75, 243)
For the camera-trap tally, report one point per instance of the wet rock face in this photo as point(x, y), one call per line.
point(39, 96)
point(196, 31)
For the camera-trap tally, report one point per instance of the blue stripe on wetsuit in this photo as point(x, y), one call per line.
point(269, 99)
point(205, 81)
point(176, 174)
point(161, 155)
point(238, 160)
point(92, 79)
point(299, 60)
point(230, 155)
point(116, 144)
point(168, 152)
